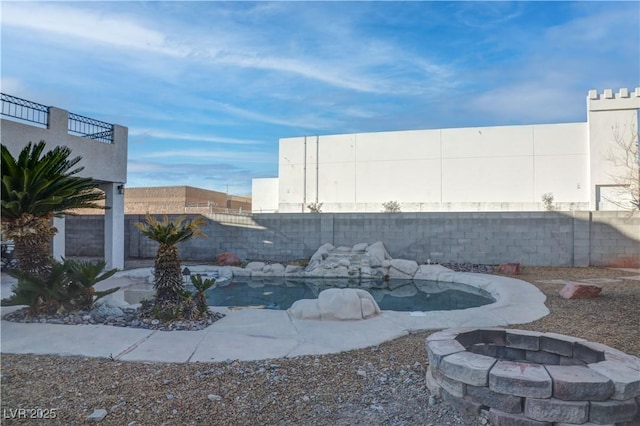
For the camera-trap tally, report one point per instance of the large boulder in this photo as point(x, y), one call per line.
point(401, 268)
point(337, 305)
point(240, 272)
point(294, 271)
point(377, 254)
point(509, 268)
point(255, 266)
point(105, 311)
point(359, 248)
point(430, 272)
point(573, 290)
point(225, 273)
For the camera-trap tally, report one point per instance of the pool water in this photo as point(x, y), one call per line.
point(394, 295)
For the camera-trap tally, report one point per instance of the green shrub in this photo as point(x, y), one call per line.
point(69, 287)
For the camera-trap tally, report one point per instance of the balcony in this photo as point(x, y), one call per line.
point(36, 114)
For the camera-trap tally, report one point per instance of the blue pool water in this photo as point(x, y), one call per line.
point(394, 295)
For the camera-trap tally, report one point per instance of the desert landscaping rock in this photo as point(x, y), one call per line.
point(574, 290)
point(227, 259)
point(309, 390)
point(131, 317)
point(509, 268)
point(97, 416)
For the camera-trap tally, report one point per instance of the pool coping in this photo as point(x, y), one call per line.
point(255, 334)
point(510, 295)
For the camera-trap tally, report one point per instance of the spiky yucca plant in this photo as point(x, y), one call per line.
point(36, 186)
point(168, 275)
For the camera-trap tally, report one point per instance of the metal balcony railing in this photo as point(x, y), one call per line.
point(90, 128)
point(23, 109)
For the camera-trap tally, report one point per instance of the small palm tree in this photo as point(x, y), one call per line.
point(201, 287)
point(37, 186)
point(68, 287)
point(168, 275)
point(83, 276)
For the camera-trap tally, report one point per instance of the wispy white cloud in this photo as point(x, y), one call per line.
point(208, 154)
point(356, 68)
point(314, 122)
point(237, 76)
point(88, 27)
point(192, 137)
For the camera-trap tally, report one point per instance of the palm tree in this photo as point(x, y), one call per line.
point(201, 287)
point(36, 187)
point(168, 275)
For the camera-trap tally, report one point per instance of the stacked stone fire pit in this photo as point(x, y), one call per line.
point(534, 379)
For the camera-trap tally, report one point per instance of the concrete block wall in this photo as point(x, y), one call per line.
point(533, 238)
point(84, 235)
point(615, 239)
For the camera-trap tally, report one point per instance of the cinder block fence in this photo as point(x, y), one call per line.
point(578, 238)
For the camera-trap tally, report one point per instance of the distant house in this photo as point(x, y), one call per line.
point(499, 168)
point(182, 199)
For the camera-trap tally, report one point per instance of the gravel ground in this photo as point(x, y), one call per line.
point(381, 385)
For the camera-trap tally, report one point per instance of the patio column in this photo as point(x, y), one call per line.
point(114, 226)
point(58, 245)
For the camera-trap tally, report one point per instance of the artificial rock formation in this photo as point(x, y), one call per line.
point(336, 304)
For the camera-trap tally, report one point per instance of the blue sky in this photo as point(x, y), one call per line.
point(207, 88)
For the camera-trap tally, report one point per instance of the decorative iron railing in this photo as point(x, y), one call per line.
point(90, 128)
point(23, 109)
point(78, 125)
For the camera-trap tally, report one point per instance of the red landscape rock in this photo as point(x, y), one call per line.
point(228, 259)
point(580, 291)
point(509, 268)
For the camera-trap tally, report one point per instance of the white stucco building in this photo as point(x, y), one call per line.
point(500, 168)
point(102, 146)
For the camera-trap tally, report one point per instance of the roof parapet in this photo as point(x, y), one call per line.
point(609, 94)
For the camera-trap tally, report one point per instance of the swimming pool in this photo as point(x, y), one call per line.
point(393, 295)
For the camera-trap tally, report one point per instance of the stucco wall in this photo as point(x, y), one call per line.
point(534, 238)
point(106, 162)
point(612, 116)
point(467, 169)
point(264, 195)
point(505, 168)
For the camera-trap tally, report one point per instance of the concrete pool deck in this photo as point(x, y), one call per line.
point(255, 334)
